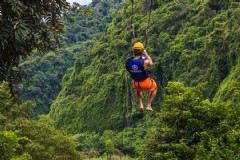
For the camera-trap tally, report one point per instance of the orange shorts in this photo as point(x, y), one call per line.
point(147, 84)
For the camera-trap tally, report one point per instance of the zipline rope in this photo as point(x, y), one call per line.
point(132, 25)
point(148, 23)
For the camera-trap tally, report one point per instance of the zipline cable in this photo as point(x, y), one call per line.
point(132, 25)
point(148, 25)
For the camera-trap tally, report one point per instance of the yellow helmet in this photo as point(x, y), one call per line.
point(138, 46)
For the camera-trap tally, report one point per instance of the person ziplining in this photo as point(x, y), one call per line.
point(137, 66)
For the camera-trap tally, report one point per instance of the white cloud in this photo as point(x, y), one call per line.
point(81, 2)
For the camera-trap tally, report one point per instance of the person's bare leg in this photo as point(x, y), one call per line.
point(139, 97)
point(152, 95)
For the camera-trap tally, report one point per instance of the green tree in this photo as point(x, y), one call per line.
point(88, 143)
point(48, 143)
point(193, 128)
point(22, 138)
point(10, 145)
point(109, 145)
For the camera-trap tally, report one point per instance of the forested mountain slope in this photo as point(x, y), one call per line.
point(190, 41)
point(44, 76)
point(90, 27)
point(45, 71)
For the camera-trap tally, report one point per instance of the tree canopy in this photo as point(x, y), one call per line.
point(27, 25)
point(195, 49)
point(24, 139)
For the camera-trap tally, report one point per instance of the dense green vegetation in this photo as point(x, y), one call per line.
point(23, 139)
point(27, 25)
point(194, 42)
point(45, 72)
point(190, 127)
point(91, 27)
point(195, 49)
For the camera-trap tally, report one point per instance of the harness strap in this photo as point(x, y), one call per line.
point(152, 83)
point(139, 87)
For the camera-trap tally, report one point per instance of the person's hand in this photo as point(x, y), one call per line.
point(144, 52)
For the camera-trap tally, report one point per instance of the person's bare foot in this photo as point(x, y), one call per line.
point(141, 109)
point(149, 108)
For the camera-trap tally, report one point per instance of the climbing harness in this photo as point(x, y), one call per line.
point(148, 24)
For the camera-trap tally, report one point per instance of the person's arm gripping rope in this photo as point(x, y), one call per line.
point(149, 61)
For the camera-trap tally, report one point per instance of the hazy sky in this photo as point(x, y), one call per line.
point(82, 2)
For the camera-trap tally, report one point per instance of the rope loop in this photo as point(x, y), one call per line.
point(147, 29)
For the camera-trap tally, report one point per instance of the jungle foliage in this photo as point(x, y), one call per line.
point(190, 127)
point(90, 27)
point(23, 139)
point(44, 75)
point(45, 71)
point(195, 49)
point(27, 25)
point(193, 42)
